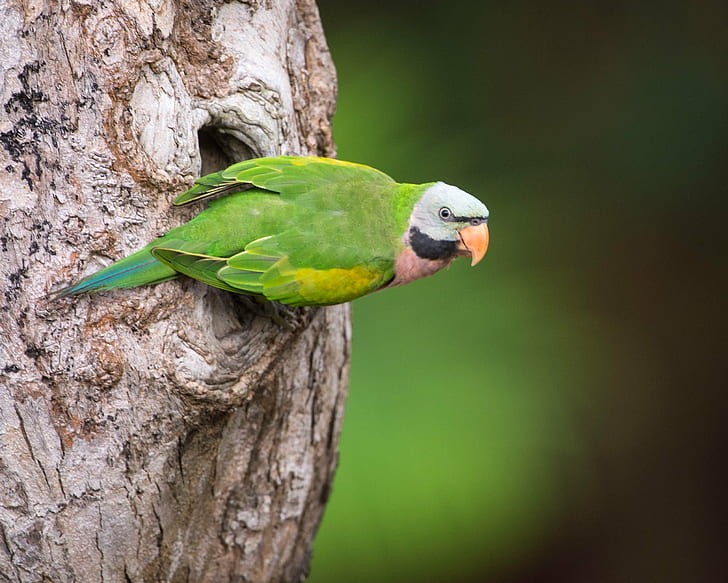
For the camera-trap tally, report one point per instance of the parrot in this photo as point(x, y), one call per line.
point(306, 231)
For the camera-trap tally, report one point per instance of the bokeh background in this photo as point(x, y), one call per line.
point(557, 413)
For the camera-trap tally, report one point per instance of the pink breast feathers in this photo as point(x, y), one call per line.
point(410, 267)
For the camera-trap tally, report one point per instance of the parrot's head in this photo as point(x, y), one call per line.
point(447, 222)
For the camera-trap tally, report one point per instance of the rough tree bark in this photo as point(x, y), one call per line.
point(166, 433)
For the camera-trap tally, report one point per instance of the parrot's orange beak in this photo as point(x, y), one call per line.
point(474, 240)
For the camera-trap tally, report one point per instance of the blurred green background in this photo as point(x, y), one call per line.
point(557, 413)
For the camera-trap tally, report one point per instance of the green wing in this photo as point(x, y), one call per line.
point(275, 278)
point(286, 175)
point(201, 267)
point(257, 270)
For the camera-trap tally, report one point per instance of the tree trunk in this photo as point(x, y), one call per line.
point(166, 433)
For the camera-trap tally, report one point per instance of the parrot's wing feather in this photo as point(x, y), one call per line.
point(240, 280)
point(249, 260)
point(195, 265)
point(211, 185)
point(243, 271)
point(290, 176)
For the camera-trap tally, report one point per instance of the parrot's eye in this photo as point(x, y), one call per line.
point(445, 213)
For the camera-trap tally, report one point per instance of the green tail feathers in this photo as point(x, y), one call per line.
point(138, 269)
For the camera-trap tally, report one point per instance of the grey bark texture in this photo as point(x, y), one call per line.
point(166, 433)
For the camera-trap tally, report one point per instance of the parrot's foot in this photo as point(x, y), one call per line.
point(286, 317)
point(279, 314)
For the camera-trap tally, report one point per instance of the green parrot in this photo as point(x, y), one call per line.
point(307, 231)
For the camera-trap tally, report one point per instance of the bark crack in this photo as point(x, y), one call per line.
point(99, 546)
point(30, 447)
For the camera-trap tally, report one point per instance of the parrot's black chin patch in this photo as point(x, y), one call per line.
point(426, 247)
